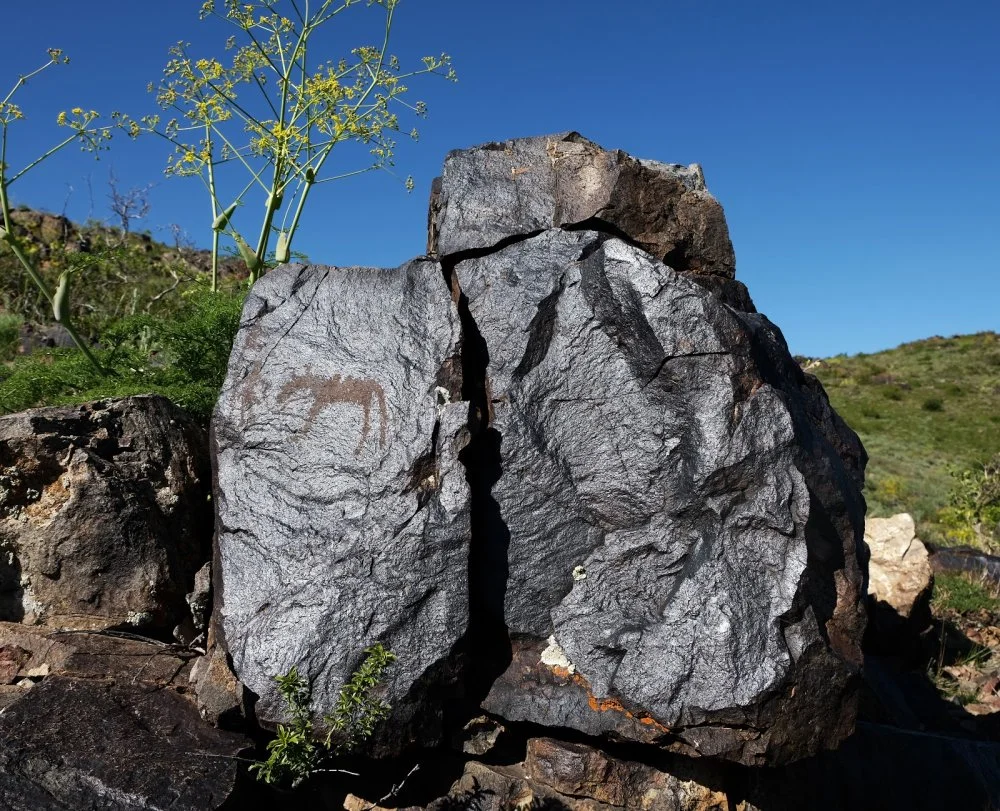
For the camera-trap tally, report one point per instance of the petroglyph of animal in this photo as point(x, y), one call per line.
point(326, 391)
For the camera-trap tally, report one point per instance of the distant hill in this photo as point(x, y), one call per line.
point(115, 273)
point(922, 410)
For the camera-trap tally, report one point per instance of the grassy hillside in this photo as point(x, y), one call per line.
point(922, 410)
point(153, 323)
point(116, 274)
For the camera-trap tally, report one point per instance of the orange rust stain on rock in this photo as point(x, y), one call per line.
point(605, 704)
point(53, 496)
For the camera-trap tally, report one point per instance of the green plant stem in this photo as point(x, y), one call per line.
point(215, 213)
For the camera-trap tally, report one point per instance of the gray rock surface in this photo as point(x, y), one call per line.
point(664, 487)
point(104, 514)
point(495, 192)
point(343, 515)
point(498, 192)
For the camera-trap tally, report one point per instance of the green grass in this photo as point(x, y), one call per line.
point(961, 593)
point(183, 356)
point(922, 410)
point(114, 275)
point(10, 334)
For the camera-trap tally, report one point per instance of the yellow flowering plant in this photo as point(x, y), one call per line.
point(91, 137)
point(278, 114)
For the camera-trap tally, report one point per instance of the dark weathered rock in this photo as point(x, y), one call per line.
point(104, 513)
point(71, 744)
point(578, 770)
point(683, 508)
point(343, 509)
point(220, 696)
point(501, 788)
point(496, 192)
point(194, 627)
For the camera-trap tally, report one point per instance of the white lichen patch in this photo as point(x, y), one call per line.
point(555, 656)
point(579, 573)
point(138, 618)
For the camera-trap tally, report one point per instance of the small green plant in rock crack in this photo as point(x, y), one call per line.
point(295, 753)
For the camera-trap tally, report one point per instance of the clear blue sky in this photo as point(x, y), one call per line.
point(854, 145)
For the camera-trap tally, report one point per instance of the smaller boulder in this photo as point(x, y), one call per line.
point(899, 576)
point(219, 694)
point(578, 770)
point(104, 514)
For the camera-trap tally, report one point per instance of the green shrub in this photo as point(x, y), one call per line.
point(295, 752)
point(10, 335)
point(932, 404)
point(973, 512)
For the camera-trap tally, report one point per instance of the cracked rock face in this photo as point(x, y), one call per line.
point(492, 194)
point(660, 504)
point(654, 533)
point(342, 507)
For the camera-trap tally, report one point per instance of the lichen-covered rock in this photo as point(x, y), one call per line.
point(581, 771)
point(343, 514)
point(104, 514)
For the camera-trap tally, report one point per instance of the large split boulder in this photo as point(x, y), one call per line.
point(656, 536)
point(343, 515)
point(104, 514)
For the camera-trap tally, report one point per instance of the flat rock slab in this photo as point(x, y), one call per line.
point(343, 509)
point(683, 508)
point(104, 514)
point(72, 743)
point(36, 652)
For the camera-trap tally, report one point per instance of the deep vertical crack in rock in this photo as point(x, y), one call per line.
point(486, 641)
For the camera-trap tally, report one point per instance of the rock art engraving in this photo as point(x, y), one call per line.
point(326, 391)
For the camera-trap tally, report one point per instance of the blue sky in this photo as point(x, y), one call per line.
point(853, 145)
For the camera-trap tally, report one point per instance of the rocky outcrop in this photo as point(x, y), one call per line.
point(654, 534)
point(666, 474)
point(101, 719)
point(104, 514)
point(343, 510)
point(577, 770)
